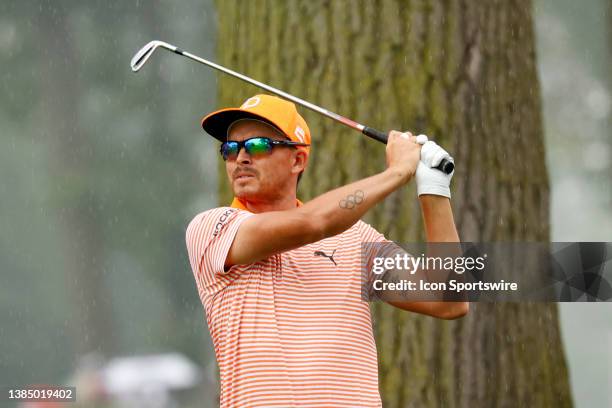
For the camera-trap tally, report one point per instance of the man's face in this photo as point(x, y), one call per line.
point(263, 177)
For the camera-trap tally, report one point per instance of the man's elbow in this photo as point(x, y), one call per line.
point(454, 310)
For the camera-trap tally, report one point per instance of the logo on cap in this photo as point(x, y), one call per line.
point(299, 133)
point(251, 102)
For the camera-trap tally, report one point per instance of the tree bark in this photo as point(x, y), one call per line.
point(464, 73)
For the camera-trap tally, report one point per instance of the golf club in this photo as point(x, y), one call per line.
point(143, 55)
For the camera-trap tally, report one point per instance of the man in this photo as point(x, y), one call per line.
point(280, 280)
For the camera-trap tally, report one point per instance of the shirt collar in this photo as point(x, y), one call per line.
point(241, 205)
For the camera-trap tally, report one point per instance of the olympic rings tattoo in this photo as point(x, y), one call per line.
point(352, 200)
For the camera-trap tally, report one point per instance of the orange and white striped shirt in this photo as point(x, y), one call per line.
point(291, 330)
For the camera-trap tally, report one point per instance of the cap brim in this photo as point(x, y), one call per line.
point(217, 123)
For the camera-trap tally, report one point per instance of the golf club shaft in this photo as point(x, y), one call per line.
point(143, 54)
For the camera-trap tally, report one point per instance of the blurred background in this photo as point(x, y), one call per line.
point(102, 169)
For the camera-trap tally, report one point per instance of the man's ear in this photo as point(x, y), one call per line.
point(300, 160)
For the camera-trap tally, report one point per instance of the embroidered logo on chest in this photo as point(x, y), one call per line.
point(330, 257)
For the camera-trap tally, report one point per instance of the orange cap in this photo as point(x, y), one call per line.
point(276, 111)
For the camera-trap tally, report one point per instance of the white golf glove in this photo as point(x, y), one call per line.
point(429, 179)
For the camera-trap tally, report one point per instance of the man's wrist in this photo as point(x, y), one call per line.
point(399, 175)
point(440, 190)
point(433, 199)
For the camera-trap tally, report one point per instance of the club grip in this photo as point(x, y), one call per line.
point(445, 165)
point(375, 134)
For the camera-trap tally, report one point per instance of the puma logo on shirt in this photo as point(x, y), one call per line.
point(331, 257)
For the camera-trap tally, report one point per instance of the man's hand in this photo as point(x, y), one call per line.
point(403, 154)
point(430, 180)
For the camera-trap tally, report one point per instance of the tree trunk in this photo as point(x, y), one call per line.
point(464, 73)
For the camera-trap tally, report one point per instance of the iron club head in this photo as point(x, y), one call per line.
point(142, 56)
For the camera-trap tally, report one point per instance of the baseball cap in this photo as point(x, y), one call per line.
point(280, 113)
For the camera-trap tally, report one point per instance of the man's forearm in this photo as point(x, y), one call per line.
point(339, 209)
point(440, 227)
point(438, 219)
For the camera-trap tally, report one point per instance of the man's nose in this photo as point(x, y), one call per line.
point(243, 157)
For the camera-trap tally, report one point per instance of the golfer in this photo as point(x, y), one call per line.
point(280, 280)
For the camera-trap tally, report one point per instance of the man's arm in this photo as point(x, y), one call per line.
point(439, 227)
point(265, 234)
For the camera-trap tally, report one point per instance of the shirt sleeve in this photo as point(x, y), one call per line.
point(209, 237)
point(373, 245)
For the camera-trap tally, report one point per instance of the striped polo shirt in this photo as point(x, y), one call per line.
point(290, 330)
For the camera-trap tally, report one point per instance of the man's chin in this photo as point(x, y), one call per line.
point(245, 190)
